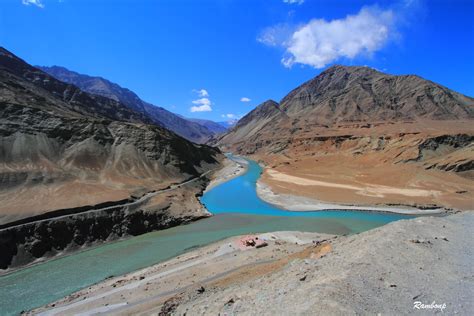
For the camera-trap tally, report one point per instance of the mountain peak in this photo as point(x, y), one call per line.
point(362, 93)
point(347, 68)
point(338, 71)
point(270, 102)
point(263, 111)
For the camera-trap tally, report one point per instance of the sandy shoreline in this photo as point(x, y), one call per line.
point(236, 166)
point(232, 168)
point(147, 288)
point(303, 204)
point(395, 265)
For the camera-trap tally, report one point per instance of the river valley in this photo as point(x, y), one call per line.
point(237, 210)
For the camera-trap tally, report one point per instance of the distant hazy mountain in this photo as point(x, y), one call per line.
point(100, 86)
point(214, 127)
point(228, 124)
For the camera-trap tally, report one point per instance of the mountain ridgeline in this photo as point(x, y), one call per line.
point(343, 95)
point(189, 129)
point(356, 136)
point(79, 168)
point(63, 147)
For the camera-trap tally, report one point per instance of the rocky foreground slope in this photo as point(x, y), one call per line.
point(383, 271)
point(363, 137)
point(189, 129)
point(62, 149)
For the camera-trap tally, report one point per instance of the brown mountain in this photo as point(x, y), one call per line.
point(61, 147)
point(190, 130)
point(354, 94)
point(359, 127)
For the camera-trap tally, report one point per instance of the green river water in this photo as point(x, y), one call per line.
point(237, 211)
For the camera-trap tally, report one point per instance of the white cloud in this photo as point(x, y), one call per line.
point(33, 2)
point(320, 42)
point(202, 92)
point(244, 99)
point(202, 108)
point(294, 1)
point(202, 101)
point(275, 35)
point(203, 104)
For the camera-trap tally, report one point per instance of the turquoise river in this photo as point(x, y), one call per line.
point(237, 210)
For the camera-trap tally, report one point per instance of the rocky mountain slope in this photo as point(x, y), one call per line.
point(193, 131)
point(359, 127)
point(354, 94)
point(61, 147)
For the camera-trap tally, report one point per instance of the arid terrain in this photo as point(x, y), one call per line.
point(300, 273)
point(197, 131)
point(79, 168)
point(62, 147)
point(356, 136)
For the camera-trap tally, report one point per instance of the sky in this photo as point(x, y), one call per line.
point(219, 59)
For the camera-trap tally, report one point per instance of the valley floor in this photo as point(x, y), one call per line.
point(385, 270)
point(293, 202)
point(332, 180)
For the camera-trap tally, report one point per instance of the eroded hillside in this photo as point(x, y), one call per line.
point(353, 135)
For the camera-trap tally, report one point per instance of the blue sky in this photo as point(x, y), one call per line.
point(169, 52)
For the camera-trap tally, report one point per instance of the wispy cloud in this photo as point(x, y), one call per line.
point(229, 116)
point(294, 1)
point(276, 35)
point(37, 3)
point(244, 99)
point(201, 92)
point(203, 104)
point(320, 42)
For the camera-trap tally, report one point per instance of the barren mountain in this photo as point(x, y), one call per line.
point(357, 136)
point(188, 129)
point(61, 147)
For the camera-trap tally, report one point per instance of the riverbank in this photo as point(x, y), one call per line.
point(292, 202)
point(384, 270)
point(304, 204)
point(232, 168)
point(148, 290)
point(38, 241)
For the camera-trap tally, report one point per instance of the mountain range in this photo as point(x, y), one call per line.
point(355, 127)
point(62, 147)
point(198, 131)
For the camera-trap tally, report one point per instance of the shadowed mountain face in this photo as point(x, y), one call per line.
point(188, 129)
point(355, 125)
point(61, 147)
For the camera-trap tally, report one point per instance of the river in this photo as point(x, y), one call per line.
point(237, 210)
